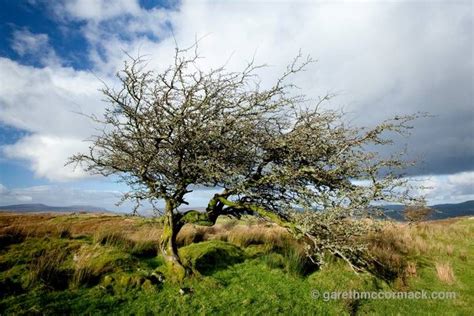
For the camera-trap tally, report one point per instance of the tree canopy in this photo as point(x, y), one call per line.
point(270, 150)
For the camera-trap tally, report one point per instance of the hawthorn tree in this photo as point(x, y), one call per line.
point(417, 213)
point(270, 150)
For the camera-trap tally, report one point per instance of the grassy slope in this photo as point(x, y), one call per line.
point(97, 272)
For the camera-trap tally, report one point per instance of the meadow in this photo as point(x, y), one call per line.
point(102, 264)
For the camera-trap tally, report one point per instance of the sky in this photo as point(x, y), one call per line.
point(381, 59)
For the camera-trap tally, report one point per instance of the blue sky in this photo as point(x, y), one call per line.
point(383, 58)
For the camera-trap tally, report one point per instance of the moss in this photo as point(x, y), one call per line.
point(198, 218)
point(261, 211)
point(208, 256)
point(176, 273)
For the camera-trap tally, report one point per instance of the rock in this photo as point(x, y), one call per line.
point(185, 290)
point(157, 277)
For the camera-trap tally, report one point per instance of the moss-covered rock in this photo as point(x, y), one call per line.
point(208, 256)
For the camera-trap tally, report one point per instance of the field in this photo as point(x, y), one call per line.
point(103, 264)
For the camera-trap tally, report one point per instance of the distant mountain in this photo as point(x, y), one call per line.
point(440, 211)
point(30, 208)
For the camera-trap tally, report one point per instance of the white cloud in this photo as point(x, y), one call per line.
point(47, 155)
point(35, 46)
point(454, 188)
point(2, 188)
point(96, 10)
point(26, 42)
point(45, 102)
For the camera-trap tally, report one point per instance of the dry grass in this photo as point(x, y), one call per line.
point(237, 234)
point(398, 245)
point(75, 225)
point(417, 240)
point(410, 269)
point(191, 234)
point(463, 255)
point(449, 250)
point(445, 273)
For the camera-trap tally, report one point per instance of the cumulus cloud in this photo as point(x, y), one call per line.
point(96, 10)
point(47, 155)
point(457, 187)
point(48, 99)
point(35, 46)
point(46, 102)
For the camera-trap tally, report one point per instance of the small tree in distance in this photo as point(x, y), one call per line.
point(269, 150)
point(417, 213)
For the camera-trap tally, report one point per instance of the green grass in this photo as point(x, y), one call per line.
point(111, 274)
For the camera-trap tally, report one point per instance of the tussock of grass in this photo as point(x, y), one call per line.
point(93, 262)
point(242, 235)
point(145, 249)
point(192, 234)
point(113, 238)
point(445, 273)
point(11, 235)
point(50, 269)
point(208, 256)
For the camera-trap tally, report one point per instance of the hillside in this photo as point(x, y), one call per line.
point(440, 211)
point(107, 264)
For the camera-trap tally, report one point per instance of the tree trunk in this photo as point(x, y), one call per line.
point(168, 246)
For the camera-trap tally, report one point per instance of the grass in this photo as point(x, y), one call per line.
point(104, 264)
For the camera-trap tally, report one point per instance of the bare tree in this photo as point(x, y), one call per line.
point(270, 151)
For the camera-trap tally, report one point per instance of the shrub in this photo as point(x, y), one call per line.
point(416, 213)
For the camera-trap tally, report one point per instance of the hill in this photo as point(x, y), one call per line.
point(440, 211)
point(106, 264)
point(34, 208)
